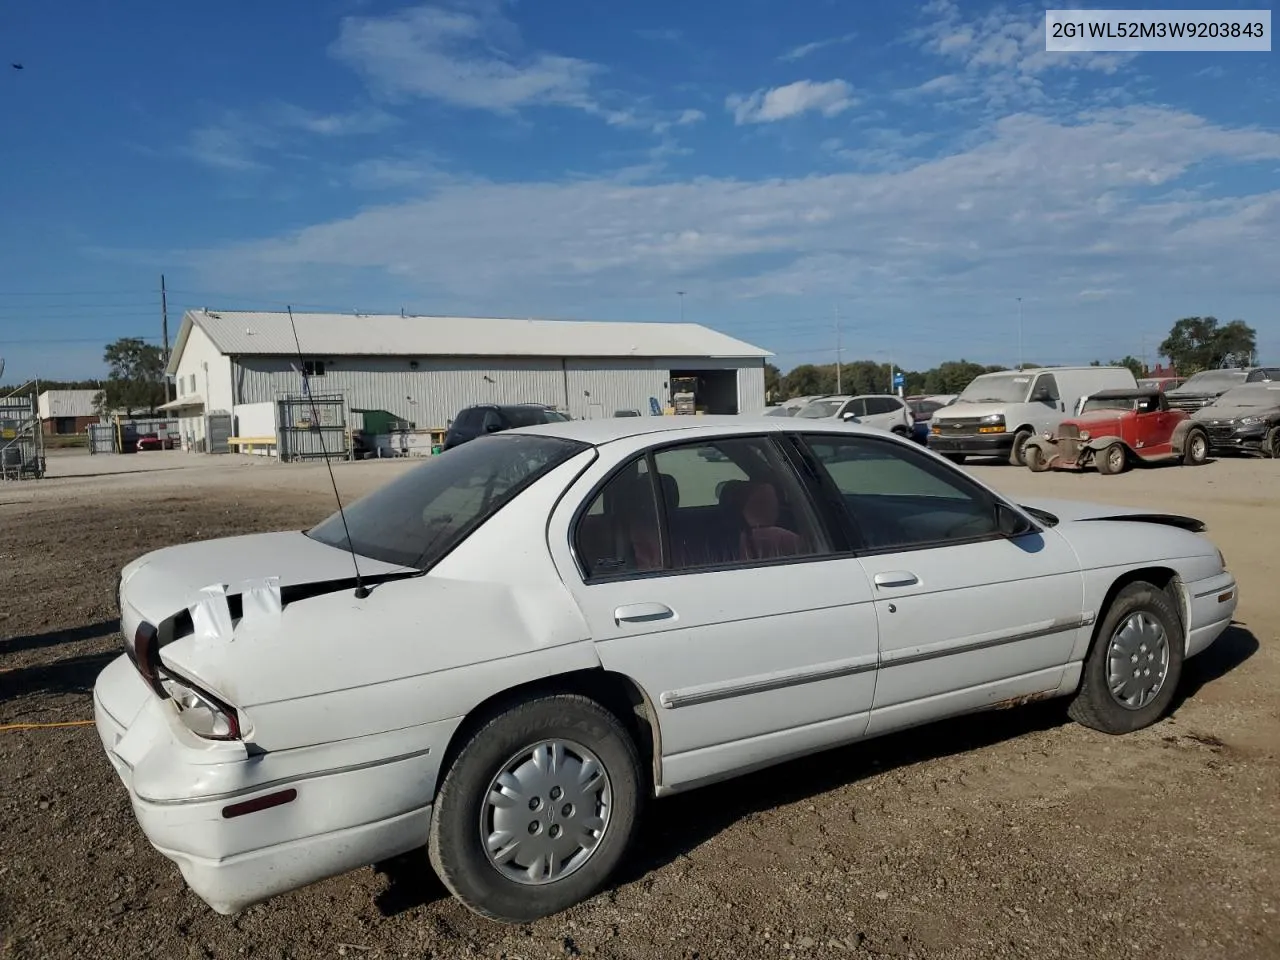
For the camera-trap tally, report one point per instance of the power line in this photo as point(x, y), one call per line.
point(77, 340)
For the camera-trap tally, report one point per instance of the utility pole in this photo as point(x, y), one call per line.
point(839, 350)
point(1019, 333)
point(680, 294)
point(164, 330)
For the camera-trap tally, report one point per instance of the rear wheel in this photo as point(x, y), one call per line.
point(1133, 670)
point(537, 809)
point(1195, 449)
point(1017, 455)
point(1114, 459)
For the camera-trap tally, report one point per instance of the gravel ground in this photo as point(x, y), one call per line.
point(1009, 834)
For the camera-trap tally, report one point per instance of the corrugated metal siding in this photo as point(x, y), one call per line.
point(751, 390)
point(433, 394)
point(429, 396)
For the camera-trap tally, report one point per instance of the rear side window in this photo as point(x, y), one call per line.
point(468, 420)
point(882, 405)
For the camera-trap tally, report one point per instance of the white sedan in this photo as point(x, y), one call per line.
point(502, 653)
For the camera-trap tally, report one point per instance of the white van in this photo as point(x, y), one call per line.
point(998, 413)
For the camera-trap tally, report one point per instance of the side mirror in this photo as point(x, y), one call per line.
point(1009, 522)
point(850, 417)
point(492, 427)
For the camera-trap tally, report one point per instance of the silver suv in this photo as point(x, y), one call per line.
point(881, 410)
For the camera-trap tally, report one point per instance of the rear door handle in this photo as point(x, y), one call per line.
point(896, 578)
point(642, 613)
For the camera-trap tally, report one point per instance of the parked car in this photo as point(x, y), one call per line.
point(554, 624)
point(626, 413)
point(1245, 418)
point(882, 411)
point(1115, 430)
point(997, 413)
point(153, 441)
point(922, 410)
point(1208, 385)
point(486, 418)
point(789, 408)
point(1161, 383)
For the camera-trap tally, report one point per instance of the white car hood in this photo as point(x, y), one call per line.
point(163, 583)
point(1068, 511)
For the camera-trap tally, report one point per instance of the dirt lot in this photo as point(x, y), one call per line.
point(1009, 834)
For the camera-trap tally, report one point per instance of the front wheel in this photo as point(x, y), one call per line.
point(1132, 671)
point(1035, 458)
point(1017, 455)
point(1113, 460)
point(1195, 449)
point(1272, 444)
point(537, 809)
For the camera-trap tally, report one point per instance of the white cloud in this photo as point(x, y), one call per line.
point(464, 59)
point(767, 106)
point(1001, 55)
point(1037, 203)
point(688, 117)
point(805, 49)
point(237, 139)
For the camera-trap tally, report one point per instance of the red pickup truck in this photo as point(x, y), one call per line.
point(1116, 429)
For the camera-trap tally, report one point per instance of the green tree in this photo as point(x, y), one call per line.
point(807, 380)
point(1133, 363)
point(136, 381)
point(773, 383)
point(953, 376)
point(1200, 343)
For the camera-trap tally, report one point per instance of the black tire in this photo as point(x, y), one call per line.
point(900, 431)
point(1271, 446)
point(956, 458)
point(1114, 459)
point(455, 845)
point(1035, 458)
point(1195, 447)
point(1017, 453)
point(1094, 705)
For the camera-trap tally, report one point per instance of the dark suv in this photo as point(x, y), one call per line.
point(491, 417)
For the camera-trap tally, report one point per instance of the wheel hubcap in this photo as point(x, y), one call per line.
point(1137, 661)
point(1197, 447)
point(1116, 458)
point(545, 812)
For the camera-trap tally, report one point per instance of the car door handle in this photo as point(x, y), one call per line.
point(896, 578)
point(642, 613)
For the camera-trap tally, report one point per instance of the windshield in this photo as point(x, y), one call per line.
point(820, 408)
point(1107, 403)
point(997, 388)
point(423, 514)
point(781, 412)
point(1213, 380)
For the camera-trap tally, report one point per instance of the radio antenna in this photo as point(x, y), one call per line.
point(361, 590)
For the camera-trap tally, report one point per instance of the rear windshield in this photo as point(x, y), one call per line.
point(419, 517)
point(531, 416)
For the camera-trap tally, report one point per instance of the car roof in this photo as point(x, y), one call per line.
point(607, 430)
point(1125, 392)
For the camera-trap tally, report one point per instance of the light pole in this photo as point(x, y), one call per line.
point(1019, 333)
point(680, 294)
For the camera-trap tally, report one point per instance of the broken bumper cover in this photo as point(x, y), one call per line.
point(345, 812)
point(1211, 605)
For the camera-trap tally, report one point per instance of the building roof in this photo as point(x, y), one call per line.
point(254, 333)
point(67, 403)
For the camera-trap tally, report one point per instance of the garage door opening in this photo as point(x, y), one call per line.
point(704, 391)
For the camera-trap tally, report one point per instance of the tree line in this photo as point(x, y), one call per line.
point(1193, 344)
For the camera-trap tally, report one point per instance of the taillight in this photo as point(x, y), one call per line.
point(201, 712)
point(145, 654)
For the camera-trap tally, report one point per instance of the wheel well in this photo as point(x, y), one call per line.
point(616, 692)
point(1161, 577)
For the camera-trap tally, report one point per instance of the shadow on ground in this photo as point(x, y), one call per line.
point(88, 631)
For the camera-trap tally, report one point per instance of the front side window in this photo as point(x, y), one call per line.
point(899, 499)
point(423, 514)
point(491, 422)
point(1047, 385)
point(727, 502)
point(881, 405)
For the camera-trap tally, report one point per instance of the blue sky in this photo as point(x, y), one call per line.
point(910, 167)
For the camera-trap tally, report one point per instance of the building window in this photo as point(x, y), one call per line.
point(313, 368)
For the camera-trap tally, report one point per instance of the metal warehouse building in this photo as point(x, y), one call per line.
point(425, 369)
